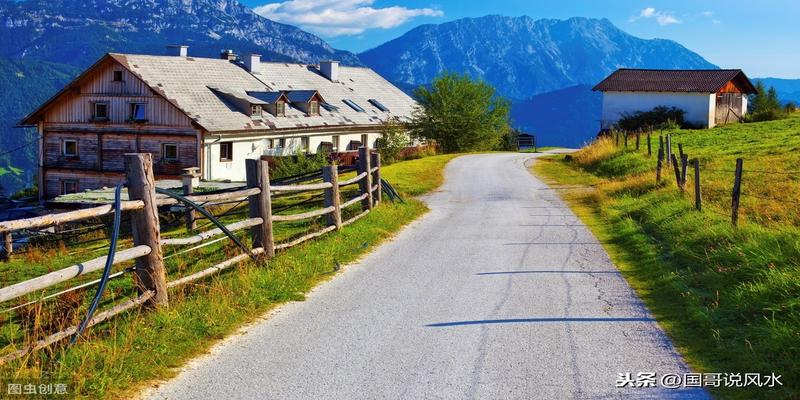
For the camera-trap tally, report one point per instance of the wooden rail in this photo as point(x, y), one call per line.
point(56, 277)
point(147, 252)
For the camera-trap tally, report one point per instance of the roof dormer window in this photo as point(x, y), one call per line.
point(255, 110)
point(280, 109)
point(313, 107)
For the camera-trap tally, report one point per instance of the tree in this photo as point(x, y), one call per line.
point(765, 99)
point(460, 114)
point(393, 140)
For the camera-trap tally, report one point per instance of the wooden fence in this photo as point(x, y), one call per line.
point(150, 274)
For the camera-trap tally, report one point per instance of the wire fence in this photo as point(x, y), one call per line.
point(762, 194)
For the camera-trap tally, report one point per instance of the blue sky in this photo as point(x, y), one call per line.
point(761, 37)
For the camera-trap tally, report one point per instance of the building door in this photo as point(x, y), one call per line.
point(729, 108)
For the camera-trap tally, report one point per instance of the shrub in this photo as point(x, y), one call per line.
point(394, 138)
point(297, 164)
point(460, 114)
point(661, 117)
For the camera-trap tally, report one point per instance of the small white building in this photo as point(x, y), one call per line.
point(709, 97)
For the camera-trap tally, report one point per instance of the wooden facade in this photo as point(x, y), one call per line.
point(80, 151)
point(730, 102)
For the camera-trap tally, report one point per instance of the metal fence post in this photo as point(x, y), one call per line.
point(150, 272)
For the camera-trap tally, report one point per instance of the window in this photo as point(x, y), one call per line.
point(117, 76)
point(136, 112)
point(69, 148)
point(281, 143)
point(378, 105)
point(329, 107)
point(169, 152)
point(280, 109)
point(353, 145)
point(325, 147)
point(304, 143)
point(255, 110)
point(226, 151)
point(313, 107)
point(336, 142)
point(69, 186)
point(353, 105)
point(100, 111)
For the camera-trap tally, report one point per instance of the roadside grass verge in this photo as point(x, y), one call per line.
point(729, 298)
point(117, 358)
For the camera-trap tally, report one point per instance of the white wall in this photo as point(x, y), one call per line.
point(253, 147)
point(699, 107)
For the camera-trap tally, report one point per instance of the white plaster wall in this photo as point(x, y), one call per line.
point(253, 147)
point(699, 107)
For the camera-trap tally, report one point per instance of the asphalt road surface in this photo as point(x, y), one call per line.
point(498, 293)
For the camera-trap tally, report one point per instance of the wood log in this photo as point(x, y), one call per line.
point(300, 188)
point(353, 180)
point(305, 238)
point(356, 218)
point(305, 215)
point(737, 192)
point(150, 272)
point(698, 198)
point(354, 200)
point(330, 174)
point(71, 216)
point(260, 205)
point(216, 268)
point(376, 177)
point(56, 277)
point(236, 226)
point(365, 185)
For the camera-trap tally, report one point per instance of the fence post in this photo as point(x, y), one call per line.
point(150, 273)
point(677, 171)
point(8, 245)
point(684, 166)
point(626, 139)
point(638, 138)
point(680, 149)
point(698, 198)
point(260, 205)
point(669, 146)
point(616, 137)
point(737, 191)
point(188, 189)
point(376, 162)
point(366, 183)
point(659, 164)
point(330, 173)
point(649, 145)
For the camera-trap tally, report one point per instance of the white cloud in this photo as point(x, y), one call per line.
point(662, 17)
point(707, 13)
point(341, 17)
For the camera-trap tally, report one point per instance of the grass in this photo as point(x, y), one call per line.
point(117, 358)
point(729, 297)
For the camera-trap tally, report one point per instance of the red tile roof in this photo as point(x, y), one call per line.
point(662, 80)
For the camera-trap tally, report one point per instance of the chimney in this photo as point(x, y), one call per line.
point(253, 63)
point(330, 70)
point(177, 50)
point(227, 55)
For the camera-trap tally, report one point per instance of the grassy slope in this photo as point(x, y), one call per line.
point(120, 356)
point(729, 298)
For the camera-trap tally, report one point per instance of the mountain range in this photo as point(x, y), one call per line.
point(546, 67)
point(522, 57)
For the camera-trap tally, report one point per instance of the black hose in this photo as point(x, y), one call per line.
point(210, 216)
point(112, 249)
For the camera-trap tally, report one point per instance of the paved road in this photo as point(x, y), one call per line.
point(498, 293)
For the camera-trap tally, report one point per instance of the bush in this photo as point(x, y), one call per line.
point(393, 140)
point(661, 117)
point(300, 163)
point(460, 114)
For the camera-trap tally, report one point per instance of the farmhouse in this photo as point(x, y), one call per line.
point(206, 113)
point(709, 97)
